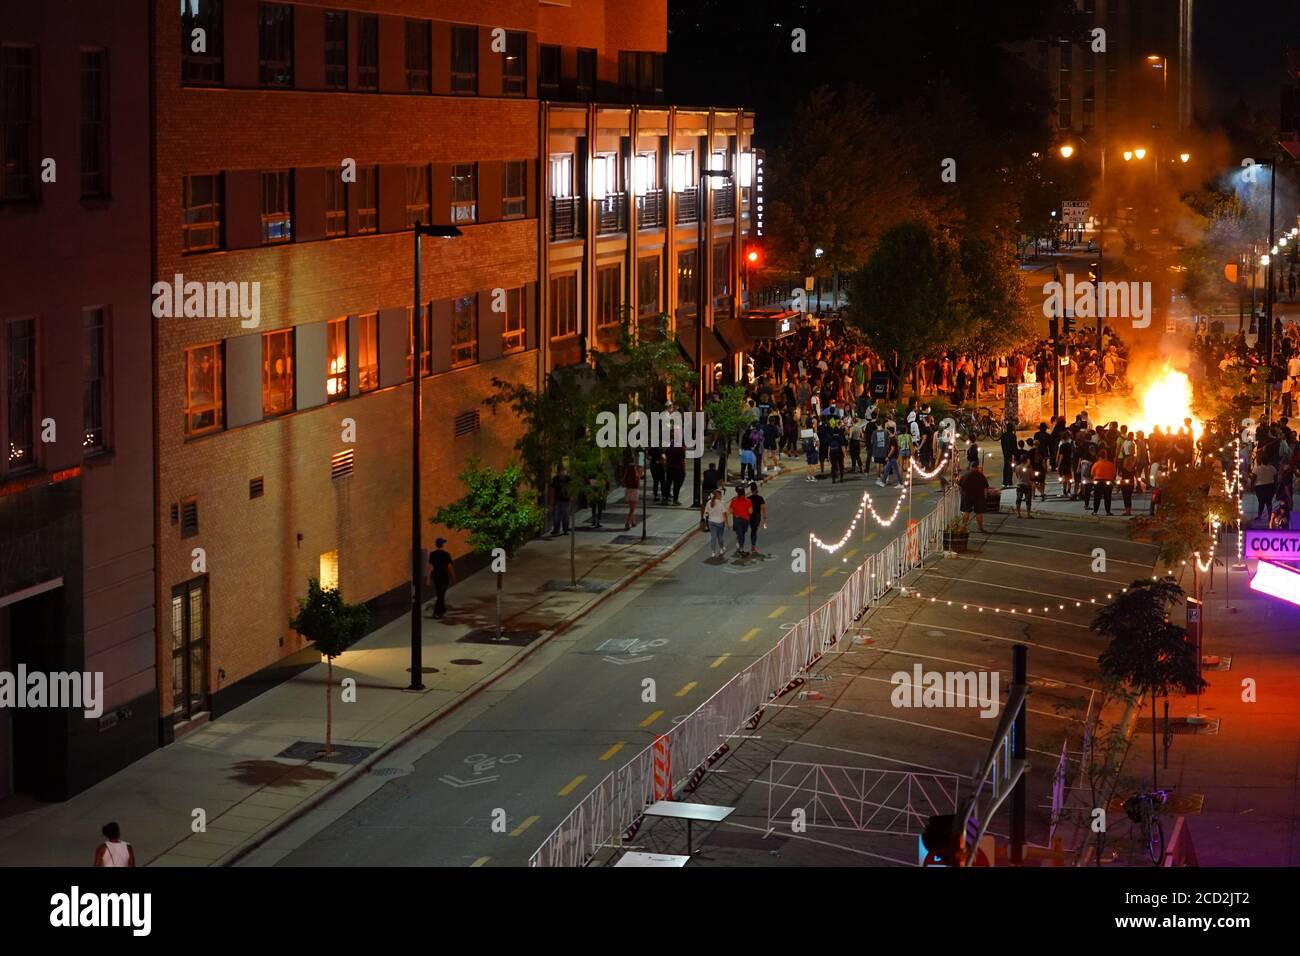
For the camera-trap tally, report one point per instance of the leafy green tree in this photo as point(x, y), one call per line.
point(556, 419)
point(727, 412)
point(1148, 652)
point(333, 625)
point(993, 316)
point(1189, 498)
point(495, 512)
point(646, 367)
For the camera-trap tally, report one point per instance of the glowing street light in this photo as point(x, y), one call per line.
point(1067, 151)
point(1140, 153)
point(1264, 260)
point(1184, 157)
point(1128, 154)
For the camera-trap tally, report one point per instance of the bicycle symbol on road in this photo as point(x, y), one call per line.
point(481, 764)
point(630, 650)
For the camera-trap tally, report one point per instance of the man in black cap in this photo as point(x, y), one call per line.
point(442, 572)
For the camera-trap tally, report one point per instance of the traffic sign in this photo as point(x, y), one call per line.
point(1074, 213)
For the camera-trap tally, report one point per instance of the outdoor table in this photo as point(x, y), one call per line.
point(632, 858)
point(690, 812)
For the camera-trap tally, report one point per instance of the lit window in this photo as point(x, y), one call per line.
point(464, 330)
point(277, 372)
point(336, 350)
point(368, 352)
point(513, 334)
point(202, 389)
point(463, 193)
point(329, 570)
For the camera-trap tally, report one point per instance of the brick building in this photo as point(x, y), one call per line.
point(294, 145)
point(76, 473)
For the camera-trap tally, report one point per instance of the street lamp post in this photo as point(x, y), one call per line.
point(417, 569)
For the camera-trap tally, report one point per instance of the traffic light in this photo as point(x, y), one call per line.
point(1054, 330)
point(753, 257)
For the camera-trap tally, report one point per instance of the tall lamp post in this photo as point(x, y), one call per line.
point(703, 268)
point(417, 568)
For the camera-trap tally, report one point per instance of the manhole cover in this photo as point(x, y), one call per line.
point(425, 670)
point(311, 750)
point(466, 661)
point(1178, 725)
point(488, 635)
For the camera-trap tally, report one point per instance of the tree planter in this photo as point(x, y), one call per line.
point(956, 541)
point(992, 501)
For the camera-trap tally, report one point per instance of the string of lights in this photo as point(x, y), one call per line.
point(864, 507)
point(947, 456)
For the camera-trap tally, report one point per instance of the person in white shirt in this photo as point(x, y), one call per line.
point(718, 518)
point(115, 852)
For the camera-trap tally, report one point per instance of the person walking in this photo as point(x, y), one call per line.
point(891, 460)
point(1127, 472)
point(810, 455)
point(710, 480)
point(757, 516)
point(1025, 477)
point(631, 483)
point(442, 572)
point(741, 509)
point(879, 445)
point(716, 517)
point(597, 494)
point(835, 443)
point(561, 499)
point(973, 486)
point(855, 445)
point(1265, 484)
point(114, 851)
point(675, 471)
point(1103, 480)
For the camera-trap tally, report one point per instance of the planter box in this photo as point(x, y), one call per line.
point(956, 541)
point(992, 501)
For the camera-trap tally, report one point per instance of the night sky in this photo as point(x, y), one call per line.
point(1240, 51)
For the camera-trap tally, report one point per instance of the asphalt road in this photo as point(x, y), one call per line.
point(525, 754)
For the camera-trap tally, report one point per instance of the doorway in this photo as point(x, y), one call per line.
point(190, 649)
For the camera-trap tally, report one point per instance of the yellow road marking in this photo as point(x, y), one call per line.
point(778, 612)
point(613, 750)
point(871, 536)
point(829, 571)
point(753, 633)
point(480, 861)
point(850, 553)
point(524, 826)
point(687, 689)
point(806, 591)
point(652, 718)
point(569, 787)
point(718, 662)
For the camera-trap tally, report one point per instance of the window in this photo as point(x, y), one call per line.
point(683, 170)
point(94, 384)
point(201, 226)
point(201, 51)
point(20, 393)
point(644, 173)
point(463, 193)
point(419, 55)
point(513, 336)
point(336, 49)
point(464, 59)
point(277, 372)
point(329, 570)
point(1064, 92)
point(686, 279)
point(604, 175)
point(365, 198)
point(277, 219)
point(562, 176)
point(641, 76)
point(336, 352)
point(275, 44)
point(426, 337)
point(202, 389)
point(514, 190)
point(94, 123)
point(336, 204)
point(721, 278)
point(367, 51)
point(464, 330)
point(586, 74)
point(417, 195)
point(548, 72)
point(564, 305)
point(514, 66)
point(607, 296)
point(647, 286)
point(368, 352)
point(17, 122)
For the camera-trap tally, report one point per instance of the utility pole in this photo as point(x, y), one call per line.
point(1267, 331)
point(1019, 794)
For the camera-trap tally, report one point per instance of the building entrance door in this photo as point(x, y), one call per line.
point(190, 649)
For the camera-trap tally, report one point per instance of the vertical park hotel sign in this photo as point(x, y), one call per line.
point(760, 164)
point(1271, 545)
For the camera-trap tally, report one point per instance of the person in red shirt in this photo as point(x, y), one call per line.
point(742, 510)
point(973, 485)
point(1103, 480)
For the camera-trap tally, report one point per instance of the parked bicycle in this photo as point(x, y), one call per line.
point(1143, 808)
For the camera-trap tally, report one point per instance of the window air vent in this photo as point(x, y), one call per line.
point(255, 487)
point(467, 423)
point(189, 518)
point(341, 464)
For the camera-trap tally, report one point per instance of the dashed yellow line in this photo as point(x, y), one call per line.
point(480, 861)
point(753, 633)
point(806, 591)
point(778, 612)
point(572, 784)
point(829, 571)
point(718, 662)
point(850, 553)
point(871, 537)
point(652, 718)
point(524, 826)
point(613, 750)
point(687, 689)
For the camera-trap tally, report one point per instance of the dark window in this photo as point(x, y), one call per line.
point(419, 55)
point(426, 340)
point(514, 192)
point(686, 279)
point(336, 204)
point(94, 381)
point(368, 352)
point(202, 389)
point(417, 195)
point(513, 336)
point(365, 198)
point(564, 305)
point(277, 372)
point(336, 352)
point(514, 66)
point(641, 76)
point(20, 394)
point(721, 278)
point(201, 52)
point(548, 72)
point(607, 296)
point(17, 122)
point(336, 49)
point(647, 288)
point(464, 193)
point(464, 330)
point(94, 123)
point(275, 44)
point(277, 203)
point(367, 52)
point(586, 74)
point(1064, 92)
point(464, 59)
point(201, 224)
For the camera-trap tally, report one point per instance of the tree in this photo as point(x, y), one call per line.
point(496, 514)
point(907, 298)
point(992, 314)
point(1190, 497)
point(1148, 652)
point(333, 625)
point(727, 412)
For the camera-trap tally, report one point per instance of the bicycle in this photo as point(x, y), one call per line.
point(1143, 808)
point(989, 424)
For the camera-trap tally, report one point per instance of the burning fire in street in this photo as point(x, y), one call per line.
point(1167, 402)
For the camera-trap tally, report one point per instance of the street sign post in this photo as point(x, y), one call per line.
point(1074, 213)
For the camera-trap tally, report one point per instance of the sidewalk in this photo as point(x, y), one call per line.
point(234, 773)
